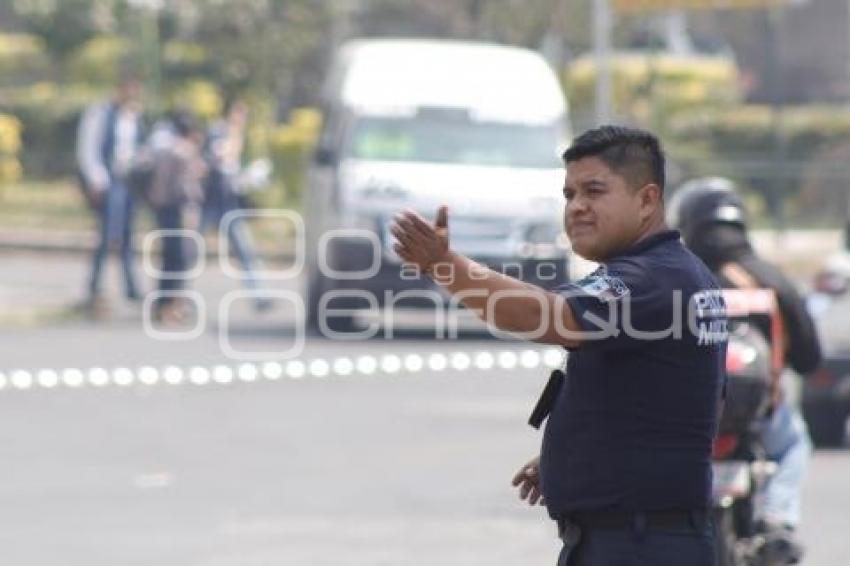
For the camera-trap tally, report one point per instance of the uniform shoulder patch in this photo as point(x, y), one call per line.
point(603, 286)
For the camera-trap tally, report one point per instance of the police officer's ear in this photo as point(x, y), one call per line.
point(650, 196)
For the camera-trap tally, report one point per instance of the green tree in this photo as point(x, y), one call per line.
point(66, 25)
point(251, 45)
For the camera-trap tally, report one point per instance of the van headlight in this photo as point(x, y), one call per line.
point(385, 191)
point(542, 234)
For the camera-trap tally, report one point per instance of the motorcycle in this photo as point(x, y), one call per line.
point(741, 470)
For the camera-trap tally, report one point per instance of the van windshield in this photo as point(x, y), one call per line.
point(458, 141)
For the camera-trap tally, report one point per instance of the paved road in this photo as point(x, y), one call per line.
point(366, 471)
point(385, 461)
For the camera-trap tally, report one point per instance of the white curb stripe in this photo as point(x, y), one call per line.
point(437, 362)
point(391, 364)
point(295, 369)
point(414, 363)
point(247, 372)
point(222, 375)
point(47, 378)
point(73, 378)
point(199, 375)
point(367, 365)
point(21, 379)
point(98, 377)
point(507, 360)
point(148, 375)
point(319, 368)
point(343, 366)
point(272, 370)
point(173, 375)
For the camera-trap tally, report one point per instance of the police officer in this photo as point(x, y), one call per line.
point(713, 222)
point(625, 465)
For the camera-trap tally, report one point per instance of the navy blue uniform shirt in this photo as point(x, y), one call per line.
point(633, 424)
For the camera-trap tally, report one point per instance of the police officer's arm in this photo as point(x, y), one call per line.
point(506, 303)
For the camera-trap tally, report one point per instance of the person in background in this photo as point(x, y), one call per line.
point(109, 138)
point(174, 191)
point(222, 198)
point(712, 219)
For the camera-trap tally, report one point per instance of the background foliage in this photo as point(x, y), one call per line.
point(57, 56)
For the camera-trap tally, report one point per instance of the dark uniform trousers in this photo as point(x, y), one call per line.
point(678, 543)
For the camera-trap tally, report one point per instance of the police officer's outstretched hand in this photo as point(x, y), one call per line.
point(419, 242)
point(528, 481)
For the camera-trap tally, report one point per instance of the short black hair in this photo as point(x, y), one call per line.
point(184, 123)
point(231, 101)
point(633, 153)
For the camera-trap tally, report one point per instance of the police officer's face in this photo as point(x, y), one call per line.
point(603, 215)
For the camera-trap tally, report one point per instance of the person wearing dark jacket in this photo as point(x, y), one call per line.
point(109, 138)
point(712, 219)
point(175, 185)
point(223, 202)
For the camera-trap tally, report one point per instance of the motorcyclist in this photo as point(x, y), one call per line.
point(712, 219)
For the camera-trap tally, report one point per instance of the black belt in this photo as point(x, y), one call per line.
point(696, 519)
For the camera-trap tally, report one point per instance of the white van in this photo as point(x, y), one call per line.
point(420, 123)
